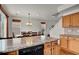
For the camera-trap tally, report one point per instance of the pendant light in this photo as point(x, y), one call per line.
point(29, 23)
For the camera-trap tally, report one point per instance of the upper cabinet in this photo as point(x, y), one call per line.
point(66, 22)
point(75, 20)
point(70, 20)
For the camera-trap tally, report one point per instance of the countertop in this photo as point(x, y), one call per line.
point(25, 42)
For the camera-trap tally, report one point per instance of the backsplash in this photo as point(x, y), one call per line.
point(71, 31)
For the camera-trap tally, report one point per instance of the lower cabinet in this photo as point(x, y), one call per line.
point(56, 50)
point(47, 48)
point(74, 45)
point(64, 51)
point(47, 52)
point(64, 41)
point(69, 45)
point(12, 53)
point(51, 48)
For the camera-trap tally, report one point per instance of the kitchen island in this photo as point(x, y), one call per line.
point(15, 44)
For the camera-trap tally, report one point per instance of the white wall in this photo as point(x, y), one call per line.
point(35, 27)
point(49, 24)
point(57, 30)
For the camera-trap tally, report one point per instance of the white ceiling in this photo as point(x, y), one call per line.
point(39, 11)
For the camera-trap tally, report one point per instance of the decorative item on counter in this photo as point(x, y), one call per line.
point(48, 35)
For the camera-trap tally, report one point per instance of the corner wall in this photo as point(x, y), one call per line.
point(57, 30)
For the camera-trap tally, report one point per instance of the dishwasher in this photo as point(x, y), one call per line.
point(34, 50)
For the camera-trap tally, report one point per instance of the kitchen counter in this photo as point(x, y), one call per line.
point(20, 43)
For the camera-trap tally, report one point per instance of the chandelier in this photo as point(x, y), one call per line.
point(29, 23)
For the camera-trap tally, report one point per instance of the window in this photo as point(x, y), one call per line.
point(16, 24)
point(3, 26)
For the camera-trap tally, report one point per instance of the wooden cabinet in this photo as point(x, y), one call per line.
point(75, 20)
point(51, 48)
point(71, 20)
point(56, 50)
point(64, 41)
point(47, 48)
point(47, 45)
point(66, 22)
point(64, 51)
point(47, 51)
point(74, 45)
point(12, 53)
point(69, 45)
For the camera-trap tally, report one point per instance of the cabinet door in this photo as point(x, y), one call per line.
point(66, 21)
point(74, 45)
point(64, 41)
point(47, 51)
point(47, 48)
point(75, 20)
point(53, 44)
point(56, 50)
point(47, 45)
